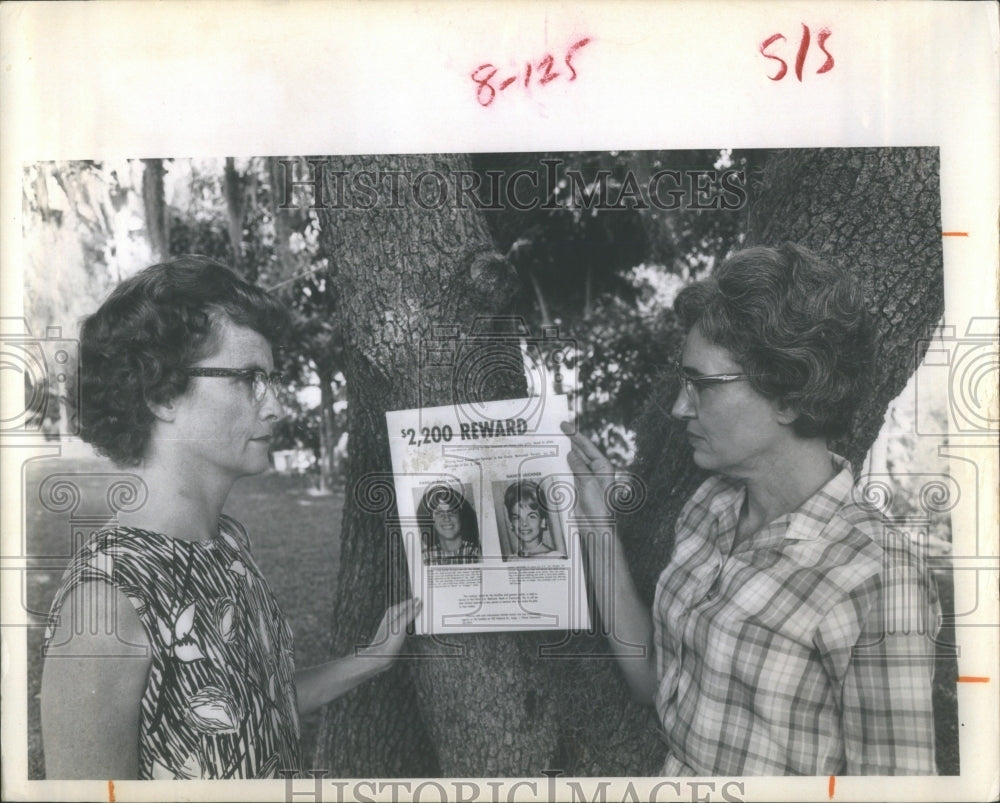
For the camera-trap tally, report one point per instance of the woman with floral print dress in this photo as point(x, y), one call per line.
point(195, 676)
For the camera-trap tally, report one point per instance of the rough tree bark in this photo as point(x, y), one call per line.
point(500, 708)
point(397, 273)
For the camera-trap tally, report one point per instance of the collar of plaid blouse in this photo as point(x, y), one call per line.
point(833, 492)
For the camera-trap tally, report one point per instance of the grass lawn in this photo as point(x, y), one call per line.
point(295, 538)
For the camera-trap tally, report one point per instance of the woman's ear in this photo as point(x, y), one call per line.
point(787, 416)
point(785, 413)
point(163, 411)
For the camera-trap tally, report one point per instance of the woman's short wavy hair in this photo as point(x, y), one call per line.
point(793, 322)
point(136, 348)
point(525, 492)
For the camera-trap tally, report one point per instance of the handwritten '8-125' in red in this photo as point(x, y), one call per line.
point(544, 72)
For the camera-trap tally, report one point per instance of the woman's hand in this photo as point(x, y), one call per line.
point(318, 685)
point(593, 473)
point(628, 621)
point(391, 631)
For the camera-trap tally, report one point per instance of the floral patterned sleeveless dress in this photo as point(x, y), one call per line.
point(220, 698)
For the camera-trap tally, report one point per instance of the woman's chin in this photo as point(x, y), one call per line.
point(703, 460)
point(254, 467)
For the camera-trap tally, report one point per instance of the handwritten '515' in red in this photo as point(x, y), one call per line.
point(543, 72)
point(800, 57)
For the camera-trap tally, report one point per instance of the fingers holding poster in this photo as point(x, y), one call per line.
point(487, 542)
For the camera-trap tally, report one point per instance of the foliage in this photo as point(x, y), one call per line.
point(83, 231)
point(622, 352)
point(277, 249)
point(578, 263)
point(607, 276)
point(299, 429)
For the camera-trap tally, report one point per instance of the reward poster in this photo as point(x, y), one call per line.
point(496, 479)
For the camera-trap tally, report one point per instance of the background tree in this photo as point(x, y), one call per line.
point(496, 707)
point(87, 225)
point(315, 348)
point(396, 273)
point(155, 204)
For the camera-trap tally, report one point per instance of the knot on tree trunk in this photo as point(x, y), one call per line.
point(491, 277)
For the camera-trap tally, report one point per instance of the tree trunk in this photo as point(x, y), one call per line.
point(397, 273)
point(282, 222)
point(876, 212)
point(155, 206)
point(500, 707)
point(327, 436)
point(232, 186)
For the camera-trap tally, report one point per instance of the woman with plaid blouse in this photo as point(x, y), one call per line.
point(790, 633)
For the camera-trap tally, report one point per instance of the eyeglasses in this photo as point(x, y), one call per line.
point(259, 379)
point(693, 385)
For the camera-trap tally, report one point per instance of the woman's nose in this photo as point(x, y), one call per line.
point(271, 409)
point(683, 406)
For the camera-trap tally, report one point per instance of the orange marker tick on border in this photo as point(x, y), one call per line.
point(954, 234)
point(111, 791)
point(831, 785)
point(971, 679)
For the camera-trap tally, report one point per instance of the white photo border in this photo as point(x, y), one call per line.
point(187, 79)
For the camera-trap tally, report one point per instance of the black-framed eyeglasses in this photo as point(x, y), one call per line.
point(693, 385)
point(259, 379)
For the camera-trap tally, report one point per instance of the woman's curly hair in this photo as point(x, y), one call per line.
point(526, 492)
point(797, 325)
point(136, 349)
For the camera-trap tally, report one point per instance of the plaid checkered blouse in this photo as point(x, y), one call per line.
point(805, 650)
point(467, 552)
